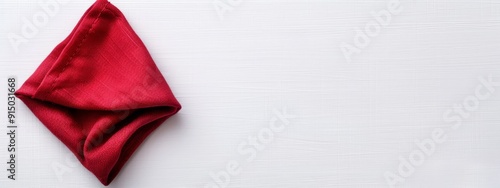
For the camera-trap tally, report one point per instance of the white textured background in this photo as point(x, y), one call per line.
point(352, 121)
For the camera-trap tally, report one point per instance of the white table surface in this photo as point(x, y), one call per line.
point(234, 72)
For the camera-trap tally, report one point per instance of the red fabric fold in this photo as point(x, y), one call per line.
point(100, 92)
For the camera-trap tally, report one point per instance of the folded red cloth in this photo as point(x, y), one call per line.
point(100, 92)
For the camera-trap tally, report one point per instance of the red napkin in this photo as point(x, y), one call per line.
point(100, 92)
